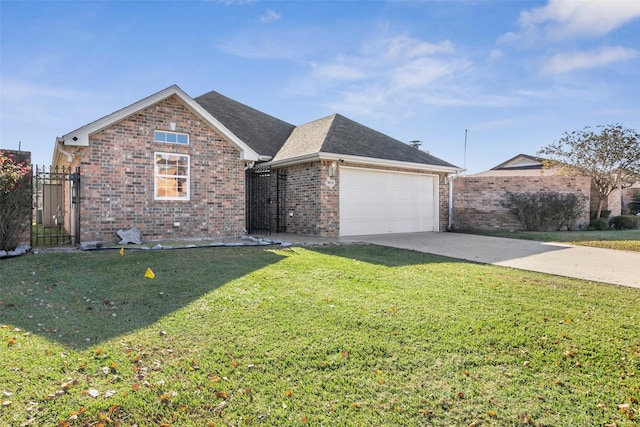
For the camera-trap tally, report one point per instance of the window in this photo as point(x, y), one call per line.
point(170, 137)
point(171, 176)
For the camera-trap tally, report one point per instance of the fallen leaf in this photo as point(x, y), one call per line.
point(93, 392)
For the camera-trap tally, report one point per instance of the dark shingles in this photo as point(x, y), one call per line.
point(352, 138)
point(265, 134)
point(335, 134)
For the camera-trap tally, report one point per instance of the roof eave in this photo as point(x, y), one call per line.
point(365, 160)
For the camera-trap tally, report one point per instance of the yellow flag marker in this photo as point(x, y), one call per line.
point(121, 252)
point(149, 274)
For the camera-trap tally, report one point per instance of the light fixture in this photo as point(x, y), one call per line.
point(333, 167)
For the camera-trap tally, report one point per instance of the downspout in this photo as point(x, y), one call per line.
point(450, 179)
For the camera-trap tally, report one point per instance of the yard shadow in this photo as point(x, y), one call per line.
point(81, 299)
point(383, 255)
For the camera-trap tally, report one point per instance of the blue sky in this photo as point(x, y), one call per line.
point(515, 74)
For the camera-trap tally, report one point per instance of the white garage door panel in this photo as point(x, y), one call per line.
point(379, 202)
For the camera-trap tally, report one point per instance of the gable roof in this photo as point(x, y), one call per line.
point(521, 161)
point(260, 137)
point(80, 137)
point(340, 136)
point(520, 165)
point(264, 133)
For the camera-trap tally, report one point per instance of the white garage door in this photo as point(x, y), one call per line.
point(379, 202)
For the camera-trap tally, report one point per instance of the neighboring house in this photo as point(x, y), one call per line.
point(477, 199)
point(173, 166)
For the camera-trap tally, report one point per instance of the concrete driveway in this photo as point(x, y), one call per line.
point(601, 265)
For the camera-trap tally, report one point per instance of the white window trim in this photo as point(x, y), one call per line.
point(169, 132)
point(156, 175)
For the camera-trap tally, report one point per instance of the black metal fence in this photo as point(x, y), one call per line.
point(266, 201)
point(56, 214)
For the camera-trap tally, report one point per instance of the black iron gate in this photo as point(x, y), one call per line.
point(265, 201)
point(56, 214)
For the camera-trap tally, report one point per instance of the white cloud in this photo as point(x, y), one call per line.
point(408, 48)
point(495, 54)
point(561, 19)
point(337, 72)
point(567, 62)
point(270, 16)
point(386, 74)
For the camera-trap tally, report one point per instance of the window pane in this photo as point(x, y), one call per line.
point(171, 137)
point(183, 139)
point(171, 176)
point(159, 136)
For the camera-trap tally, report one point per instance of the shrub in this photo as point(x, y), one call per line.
point(544, 211)
point(15, 201)
point(625, 222)
point(599, 224)
point(603, 214)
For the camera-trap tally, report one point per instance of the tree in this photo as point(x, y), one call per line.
point(609, 155)
point(15, 201)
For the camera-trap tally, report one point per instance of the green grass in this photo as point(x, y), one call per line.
point(342, 335)
point(628, 240)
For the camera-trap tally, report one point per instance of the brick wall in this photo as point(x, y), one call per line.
point(477, 200)
point(117, 184)
point(311, 205)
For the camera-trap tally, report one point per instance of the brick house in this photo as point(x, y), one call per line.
point(173, 166)
point(477, 198)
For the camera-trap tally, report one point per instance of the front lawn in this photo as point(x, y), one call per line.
point(628, 240)
point(338, 335)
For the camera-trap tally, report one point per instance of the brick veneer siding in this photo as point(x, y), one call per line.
point(117, 170)
point(477, 200)
point(313, 207)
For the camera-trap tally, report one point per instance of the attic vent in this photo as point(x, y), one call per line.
point(415, 143)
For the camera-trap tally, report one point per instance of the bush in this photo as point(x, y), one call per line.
point(544, 211)
point(603, 214)
point(15, 201)
point(599, 224)
point(625, 222)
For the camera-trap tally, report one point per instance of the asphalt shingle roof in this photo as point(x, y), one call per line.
point(334, 134)
point(339, 135)
point(263, 133)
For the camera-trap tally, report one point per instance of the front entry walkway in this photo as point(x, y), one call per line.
point(601, 265)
